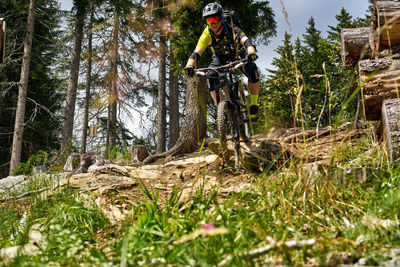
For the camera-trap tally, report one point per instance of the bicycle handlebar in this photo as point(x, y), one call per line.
point(230, 66)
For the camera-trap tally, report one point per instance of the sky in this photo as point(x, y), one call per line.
point(299, 12)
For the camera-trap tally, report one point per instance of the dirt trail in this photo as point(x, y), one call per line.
point(119, 188)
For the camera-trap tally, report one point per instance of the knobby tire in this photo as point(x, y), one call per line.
point(224, 122)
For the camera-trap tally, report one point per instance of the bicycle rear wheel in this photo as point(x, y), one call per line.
point(244, 126)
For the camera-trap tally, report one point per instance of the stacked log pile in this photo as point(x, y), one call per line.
point(377, 52)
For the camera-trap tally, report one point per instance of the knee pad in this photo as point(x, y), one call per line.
point(252, 72)
point(212, 80)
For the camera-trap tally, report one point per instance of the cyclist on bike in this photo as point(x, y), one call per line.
point(228, 43)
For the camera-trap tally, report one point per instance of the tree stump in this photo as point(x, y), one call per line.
point(139, 153)
point(69, 164)
point(356, 45)
point(386, 23)
point(390, 121)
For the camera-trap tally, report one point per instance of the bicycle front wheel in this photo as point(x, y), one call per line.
point(224, 122)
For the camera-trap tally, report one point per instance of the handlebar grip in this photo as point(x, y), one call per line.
point(238, 65)
point(200, 73)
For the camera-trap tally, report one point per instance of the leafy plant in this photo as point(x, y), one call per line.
point(41, 158)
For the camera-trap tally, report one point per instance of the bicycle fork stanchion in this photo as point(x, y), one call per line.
point(235, 134)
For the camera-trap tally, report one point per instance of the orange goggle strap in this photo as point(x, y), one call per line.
point(213, 19)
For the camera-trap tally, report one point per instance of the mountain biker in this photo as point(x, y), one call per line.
point(228, 43)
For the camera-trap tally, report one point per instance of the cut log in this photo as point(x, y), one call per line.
point(390, 120)
point(386, 24)
point(380, 80)
point(356, 45)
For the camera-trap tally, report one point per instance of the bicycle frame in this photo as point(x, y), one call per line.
point(231, 89)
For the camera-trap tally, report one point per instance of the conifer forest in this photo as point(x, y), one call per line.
point(110, 154)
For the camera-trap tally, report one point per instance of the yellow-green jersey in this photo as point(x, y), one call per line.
point(227, 45)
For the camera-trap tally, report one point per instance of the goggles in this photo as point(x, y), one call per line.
point(212, 20)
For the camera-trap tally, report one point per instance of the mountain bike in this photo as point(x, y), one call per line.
point(232, 113)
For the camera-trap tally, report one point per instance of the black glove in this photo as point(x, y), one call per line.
point(252, 57)
point(189, 71)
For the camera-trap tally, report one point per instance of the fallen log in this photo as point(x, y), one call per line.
point(380, 80)
point(386, 24)
point(254, 153)
point(357, 44)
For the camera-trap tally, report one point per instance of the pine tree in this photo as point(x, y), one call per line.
point(345, 20)
point(44, 98)
point(279, 91)
point(81, 8)
point(22, 92)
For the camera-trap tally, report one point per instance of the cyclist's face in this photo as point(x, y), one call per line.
point(214, 23)
point(215, 27)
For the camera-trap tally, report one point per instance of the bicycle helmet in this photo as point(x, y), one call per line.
point(212, 9)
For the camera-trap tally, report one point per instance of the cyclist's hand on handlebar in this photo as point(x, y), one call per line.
point(252, 57)
point(189, 71)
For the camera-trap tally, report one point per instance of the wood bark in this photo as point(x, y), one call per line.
point(194, 127)
point(22, 91)
point(88, 82)
point(173, 102)
point(390, 121)
point(2, 39)
point(380, 80)
point(356, 45)
point(386, 23)
point(68, 124)
point(113, 91)
point(161, 107)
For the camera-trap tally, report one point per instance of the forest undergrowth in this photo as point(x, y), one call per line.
point(287, 216)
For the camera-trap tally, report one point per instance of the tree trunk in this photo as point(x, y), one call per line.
point(161, 108)
point(380, 79)
point(68, 124)
point(173, 102)
point(356, 45)
point(194, 127)
point(113, 92)
point(386, 23)
point(88, 82)
point(2, 39)
point(22, 91)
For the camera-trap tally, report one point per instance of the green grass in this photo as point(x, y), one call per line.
point(348, 219)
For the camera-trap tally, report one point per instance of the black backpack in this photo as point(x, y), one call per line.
point(230, 18)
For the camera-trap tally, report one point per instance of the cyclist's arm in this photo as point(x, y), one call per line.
point(202, 44)
point(243, 39)
point(192, 61)
point(251, 49)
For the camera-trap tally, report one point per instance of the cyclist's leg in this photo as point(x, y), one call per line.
point(213, 77)
point(251, 71)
